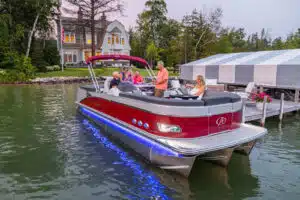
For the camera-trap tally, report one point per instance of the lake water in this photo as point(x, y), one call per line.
point(47, 151)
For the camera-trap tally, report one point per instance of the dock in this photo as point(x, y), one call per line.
point(252, 113)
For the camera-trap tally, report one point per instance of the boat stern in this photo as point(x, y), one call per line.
point(236, 138)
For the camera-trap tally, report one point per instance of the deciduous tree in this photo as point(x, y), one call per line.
point(92, 9)
point(152, 53)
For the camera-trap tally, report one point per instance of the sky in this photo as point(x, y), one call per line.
point(279, 17)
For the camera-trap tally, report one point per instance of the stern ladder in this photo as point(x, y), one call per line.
point(94, 78)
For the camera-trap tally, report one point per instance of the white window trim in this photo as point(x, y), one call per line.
point(89, 36)
point(71, 53)
point(70, 34)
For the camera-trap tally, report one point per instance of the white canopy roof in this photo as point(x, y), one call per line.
point(278, 57)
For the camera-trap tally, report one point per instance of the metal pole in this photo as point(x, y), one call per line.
point(149, 72)
point(94, 80)
point(95, 77)
point(61, 43)
point(281, 106)
point(61, 48)
point(264, 112)
point(153, 74)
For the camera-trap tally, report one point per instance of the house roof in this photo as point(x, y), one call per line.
point(74, 20)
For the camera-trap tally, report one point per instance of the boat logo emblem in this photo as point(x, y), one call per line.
point(221, 121)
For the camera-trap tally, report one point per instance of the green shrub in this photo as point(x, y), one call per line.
point(9, 60)
point(57, 67)
point(53, 68)
point(21, 72)
point(24, 66)
point(9, 77)
point(2, 72)
point(50, 54)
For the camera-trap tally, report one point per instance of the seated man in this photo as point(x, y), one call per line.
point(137, 79)
point(115, 81)
point(113, 86)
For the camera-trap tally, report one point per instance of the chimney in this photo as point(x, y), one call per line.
point(102, 31)
point(103, 19)
point(79, 14)
point(80, 30)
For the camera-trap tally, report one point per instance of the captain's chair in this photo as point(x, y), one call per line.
point(106, 84)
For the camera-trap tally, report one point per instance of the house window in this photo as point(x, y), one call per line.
point(113, 38)
point(70, 57)
point(117, 39)
point(69, 37)
point(89, 39)
point(123, 41)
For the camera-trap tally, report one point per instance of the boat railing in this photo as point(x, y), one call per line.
point(93, 77)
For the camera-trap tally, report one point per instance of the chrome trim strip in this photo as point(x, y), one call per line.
point(176, 111)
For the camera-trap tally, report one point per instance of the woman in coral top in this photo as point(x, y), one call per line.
point(137, 79)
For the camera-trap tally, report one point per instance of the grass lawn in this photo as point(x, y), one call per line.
point(82, 72)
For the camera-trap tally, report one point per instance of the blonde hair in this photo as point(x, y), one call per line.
point(115, 73)
point(201, 79)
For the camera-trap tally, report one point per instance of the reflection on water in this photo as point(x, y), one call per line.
point(47, 151)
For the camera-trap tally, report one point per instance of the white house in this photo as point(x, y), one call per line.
point(111, 37)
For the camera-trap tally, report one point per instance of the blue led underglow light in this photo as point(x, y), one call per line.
point(142, 140)
point(152, 184)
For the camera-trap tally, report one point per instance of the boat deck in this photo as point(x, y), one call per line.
point(252, 113)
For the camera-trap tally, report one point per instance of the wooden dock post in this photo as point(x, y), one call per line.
point(244, 111)
point(281, 107)
point(264, 111)
point(225, 87)
point(297, 95)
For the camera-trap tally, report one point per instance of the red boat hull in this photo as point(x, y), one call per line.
point(192, 127)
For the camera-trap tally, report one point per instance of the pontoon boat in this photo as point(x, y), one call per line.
point(170, 132)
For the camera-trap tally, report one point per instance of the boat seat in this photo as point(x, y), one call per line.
point(216, 98)
point(127, 87)
point(163, 101)
point(106, 84)
point(209, 98)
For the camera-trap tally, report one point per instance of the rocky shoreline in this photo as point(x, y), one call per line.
point(57, 80)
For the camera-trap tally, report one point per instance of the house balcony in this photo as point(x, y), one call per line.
point(116, 47)
point(71, 45)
